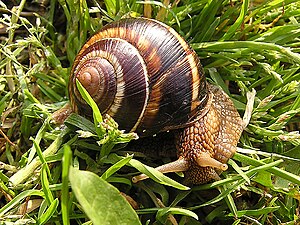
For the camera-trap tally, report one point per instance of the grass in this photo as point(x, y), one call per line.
point(245, 47)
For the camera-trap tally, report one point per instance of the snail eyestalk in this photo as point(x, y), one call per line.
point(179, 165)
point(204, 160)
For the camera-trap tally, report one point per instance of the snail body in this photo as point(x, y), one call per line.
point(143, 74)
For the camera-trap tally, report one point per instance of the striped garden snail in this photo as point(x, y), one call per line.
point(143, 74)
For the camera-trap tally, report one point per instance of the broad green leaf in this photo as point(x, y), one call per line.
point(264, 178)
point(101, 202)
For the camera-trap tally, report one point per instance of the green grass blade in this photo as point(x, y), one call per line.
point(114, 168)
point(276, 171)
point(66, 162)
point(163, 213)
point(156, 175)
point(256, 212)
point(45, 185)
point(96, 112)
point(254, 46)
point(17, 200)
point(238, 169)
point(28, 170)
point(221, 196)
point(111, 7)
point(75, 122)
point(231, 31)
point(45, 217)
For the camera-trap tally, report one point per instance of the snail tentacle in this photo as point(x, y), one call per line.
point(204, 160)
point(180, 165)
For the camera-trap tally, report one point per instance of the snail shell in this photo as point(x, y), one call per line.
point(143, 74)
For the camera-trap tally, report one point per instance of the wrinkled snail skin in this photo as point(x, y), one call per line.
point(211, 141)
point(143, 74)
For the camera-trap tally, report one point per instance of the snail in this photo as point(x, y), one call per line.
point(143, 73)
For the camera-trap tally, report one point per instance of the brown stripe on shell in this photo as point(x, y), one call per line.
point(169, 103)
point(194, 65)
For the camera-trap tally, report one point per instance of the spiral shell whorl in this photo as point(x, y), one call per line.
point(96, 74)
point(118, 93)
